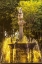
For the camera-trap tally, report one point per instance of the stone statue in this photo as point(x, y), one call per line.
point(20, 10)
point(20, 14)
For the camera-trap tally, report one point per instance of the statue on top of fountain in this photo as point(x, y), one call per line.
point(20, 14)
point(20, 10)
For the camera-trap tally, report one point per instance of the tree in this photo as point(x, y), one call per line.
point(7, 9)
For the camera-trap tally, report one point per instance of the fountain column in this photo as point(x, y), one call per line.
point(21, 22)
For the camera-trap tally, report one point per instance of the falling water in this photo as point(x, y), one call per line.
point(6, 50)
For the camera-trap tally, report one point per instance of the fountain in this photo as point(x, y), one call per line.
point(21, 47)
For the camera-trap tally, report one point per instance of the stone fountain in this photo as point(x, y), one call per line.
point(21, 48)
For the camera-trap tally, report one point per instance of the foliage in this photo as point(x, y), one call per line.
point(7, 9)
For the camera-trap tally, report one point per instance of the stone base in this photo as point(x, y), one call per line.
point(21, 53)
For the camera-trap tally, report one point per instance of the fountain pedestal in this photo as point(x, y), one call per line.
point(21, 53)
